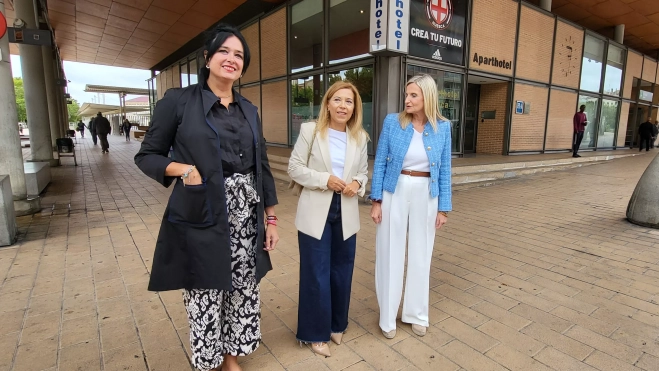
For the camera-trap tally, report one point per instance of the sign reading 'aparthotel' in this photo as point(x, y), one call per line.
point(437, 29)
point(390, 24)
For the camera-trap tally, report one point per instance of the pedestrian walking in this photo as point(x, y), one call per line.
point(330, 154)
point(81, 128)
point(126, 128)
point(579, 122)
point(92, 130)
point(103, 129)
point(220, 222)
point(645, 132)
point(411, 194)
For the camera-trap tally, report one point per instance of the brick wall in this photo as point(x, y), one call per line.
point(251, 34)
point(622, 126)
point(274, 112)
point(273, 44)
point(559, 122)
point(649, 69)
point(534, 47)
point(633, 69)
point(493, 30)
point(491, 132)
point(568, 51)
point(253, 94)
point(528, 131)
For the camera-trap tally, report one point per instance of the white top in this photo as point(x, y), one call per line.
point(338, 140)
point(416, 158)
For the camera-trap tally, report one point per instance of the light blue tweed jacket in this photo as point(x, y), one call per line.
point(392, 148)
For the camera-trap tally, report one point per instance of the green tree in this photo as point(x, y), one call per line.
point(20, 99)
point(73, 109)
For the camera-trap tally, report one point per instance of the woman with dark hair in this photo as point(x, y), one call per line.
point(220, 223)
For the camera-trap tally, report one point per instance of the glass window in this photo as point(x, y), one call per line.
point(306, 35)
point(592, 104)
point(193, 71)
point(362, 78)
point(449, 87)
point(591, 71)
point(348, 30)
point(613, 74)
point(608, 123)
point(645, 92)
point(184, 75)
point(306, 96)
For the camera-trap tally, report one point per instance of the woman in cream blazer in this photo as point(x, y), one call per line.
point(330, 162)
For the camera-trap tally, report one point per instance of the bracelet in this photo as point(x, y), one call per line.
point(187, 174)
point(444, 213)
point(271, 222)
point(272, 217)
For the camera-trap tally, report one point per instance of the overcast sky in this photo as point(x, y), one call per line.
point(81, 74)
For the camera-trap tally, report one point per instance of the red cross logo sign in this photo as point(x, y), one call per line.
point(3, 25)
point(439, 13)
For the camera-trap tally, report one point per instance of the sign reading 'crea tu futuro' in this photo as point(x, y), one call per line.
point(437, 30)
point(389, 28)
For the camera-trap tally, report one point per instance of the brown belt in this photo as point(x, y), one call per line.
point(423, 174)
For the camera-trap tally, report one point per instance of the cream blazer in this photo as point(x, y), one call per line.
point(315, 199)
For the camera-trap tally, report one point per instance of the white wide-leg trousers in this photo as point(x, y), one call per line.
point(411, 205)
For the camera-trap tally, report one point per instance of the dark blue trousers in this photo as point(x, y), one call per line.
point(326, 267)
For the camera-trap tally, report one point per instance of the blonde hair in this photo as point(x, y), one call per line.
point(430, 101)
point(354, 126)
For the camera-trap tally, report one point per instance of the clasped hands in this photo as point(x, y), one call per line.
point(337, 185)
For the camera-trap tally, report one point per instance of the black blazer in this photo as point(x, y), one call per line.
point(193, 248)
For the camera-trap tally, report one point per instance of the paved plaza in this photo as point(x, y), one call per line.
point(537, 273)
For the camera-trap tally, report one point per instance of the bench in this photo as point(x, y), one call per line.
point(138, 134)
point(37, 177)
point(7, 214)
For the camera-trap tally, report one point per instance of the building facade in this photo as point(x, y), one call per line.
point(510, 75)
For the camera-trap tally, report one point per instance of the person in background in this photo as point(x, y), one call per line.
point(103, 129)
point(330, 162)
point(92, 130)
point(220, 224)
point(645, 131)
point(411, 194)
point(126, 128)
point(81, 128)
point(655, 132)
point(579, 122)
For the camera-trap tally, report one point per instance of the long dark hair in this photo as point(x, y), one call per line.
point(214, 40)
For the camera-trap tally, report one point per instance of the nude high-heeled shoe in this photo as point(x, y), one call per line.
point(319, 348)
point(336, 337)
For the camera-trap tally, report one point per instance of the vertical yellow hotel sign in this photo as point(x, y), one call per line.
point(389, 28)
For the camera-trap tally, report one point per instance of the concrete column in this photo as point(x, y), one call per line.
point(36, 100)
point(619, 33)
point(389, 79)
point(51, 92)
point(546, 5)
point(10, 142)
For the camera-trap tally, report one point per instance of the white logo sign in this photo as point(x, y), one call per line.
point(389, 28)
point(437, 55)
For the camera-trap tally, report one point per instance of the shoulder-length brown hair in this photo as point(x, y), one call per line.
point(354, 127)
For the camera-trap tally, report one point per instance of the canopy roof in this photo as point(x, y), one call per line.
point(115, 90)
point(91, 109)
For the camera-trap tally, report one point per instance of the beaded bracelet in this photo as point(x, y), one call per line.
point(187, 174)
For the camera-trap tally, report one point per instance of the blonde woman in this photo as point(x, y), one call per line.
point(330, 162)
point(411, 188)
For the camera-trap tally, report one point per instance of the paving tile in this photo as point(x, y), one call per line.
point(377, 354)
point(605, 362)
point(559, 341)
point(476, 339)
point(468, 358)
point(511, 337)
point(514, 360)
point(79, 330)
point(422, 356)
point(561, 361)
point(606, 345)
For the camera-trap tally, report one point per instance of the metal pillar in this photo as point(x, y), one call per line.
point(51, 93)
point(619, 33)
point(36, 100)
point(10, 141)
point(546, 5)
